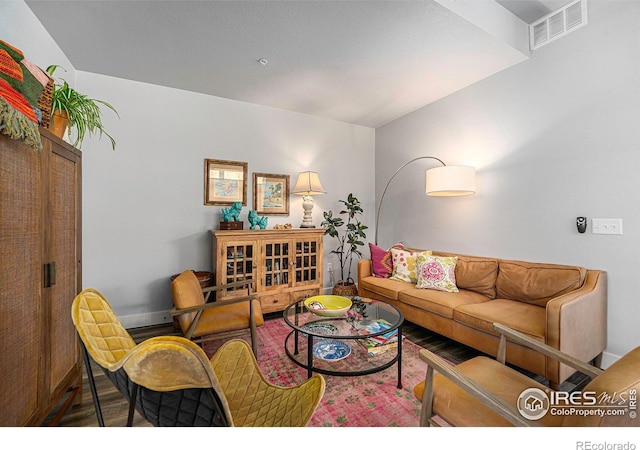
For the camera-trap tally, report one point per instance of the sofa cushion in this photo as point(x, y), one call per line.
point(437, 272)
point(381, 263)
point(386, 287)
point(439, 302)
point(524, 317)
point(405, 264)
point(536, 283)
point(475, 273)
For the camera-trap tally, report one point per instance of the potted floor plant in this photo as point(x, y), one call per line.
point(349, 237)
point(72, 110)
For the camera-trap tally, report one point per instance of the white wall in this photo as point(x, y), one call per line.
point(144, 217)
point(20, 28)
point(143, 204)
point(552, 138)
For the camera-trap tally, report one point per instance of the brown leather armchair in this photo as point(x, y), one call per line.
point(485, 392)
point(202, 320)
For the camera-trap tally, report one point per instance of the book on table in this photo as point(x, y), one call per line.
point(374, 349)
point(375, 345)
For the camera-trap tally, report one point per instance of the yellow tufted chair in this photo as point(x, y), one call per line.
point(253, 401)
point(170, 381)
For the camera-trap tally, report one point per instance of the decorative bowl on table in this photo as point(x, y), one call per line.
point(331, 350)
point(328, 305)
point(320, 328)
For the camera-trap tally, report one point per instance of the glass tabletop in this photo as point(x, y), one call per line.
point(365, 318)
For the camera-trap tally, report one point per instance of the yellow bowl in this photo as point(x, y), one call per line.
point(328, 305)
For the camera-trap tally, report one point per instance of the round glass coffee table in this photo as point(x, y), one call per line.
point(366, 339)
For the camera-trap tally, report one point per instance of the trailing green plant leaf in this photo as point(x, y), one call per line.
point(85, 115)
point(349, 240)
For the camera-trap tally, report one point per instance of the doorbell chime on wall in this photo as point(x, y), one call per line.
point(581, 223)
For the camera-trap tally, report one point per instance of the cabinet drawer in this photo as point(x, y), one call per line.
point(301, 295)
point(275, 302)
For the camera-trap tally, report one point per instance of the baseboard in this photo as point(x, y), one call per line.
point(608, 359)
point(160, 317)
point(146, 320)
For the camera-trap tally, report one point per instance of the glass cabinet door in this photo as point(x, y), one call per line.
point(276, 263)
point(239, 262)
point(306, 262)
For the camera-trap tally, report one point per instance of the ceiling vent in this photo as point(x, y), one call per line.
point(557, 24)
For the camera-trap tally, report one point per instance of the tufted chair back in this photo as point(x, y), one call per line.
point(167, 379)
point(170, 380)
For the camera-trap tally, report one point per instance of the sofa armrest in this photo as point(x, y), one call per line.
point(364, 269)
point(577, 321)
point(507, 333)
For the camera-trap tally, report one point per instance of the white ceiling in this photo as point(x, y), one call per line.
point(362, 62)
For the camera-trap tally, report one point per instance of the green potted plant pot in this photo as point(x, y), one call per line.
point(71, 109)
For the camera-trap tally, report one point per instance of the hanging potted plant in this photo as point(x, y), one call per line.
point(72, 110)
point(349, 236)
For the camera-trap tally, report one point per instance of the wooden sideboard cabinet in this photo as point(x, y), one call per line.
point(286, 264)
point(40, 275)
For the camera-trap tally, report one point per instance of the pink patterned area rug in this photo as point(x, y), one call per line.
point(361, 401)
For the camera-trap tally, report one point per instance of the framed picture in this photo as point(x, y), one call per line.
point(271, 194)
point(225, 182)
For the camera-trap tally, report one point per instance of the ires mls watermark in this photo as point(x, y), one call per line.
point(534, 403)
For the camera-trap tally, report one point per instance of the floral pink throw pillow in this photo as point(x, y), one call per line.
point(437, 272)
point(381, 264)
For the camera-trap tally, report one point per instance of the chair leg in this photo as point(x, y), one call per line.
point(252, 326)
point(92, 385)
point(597, 361)
point(427, 399)
point(132, 404)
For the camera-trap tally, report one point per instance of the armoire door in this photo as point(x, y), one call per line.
point(21, 317)
point(63, 233)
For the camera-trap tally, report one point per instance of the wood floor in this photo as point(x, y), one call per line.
point(115, 408)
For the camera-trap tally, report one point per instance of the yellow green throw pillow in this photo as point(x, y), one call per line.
point(405, 264)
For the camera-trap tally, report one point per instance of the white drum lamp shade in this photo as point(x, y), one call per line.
point(449, 181)
point(445, 181)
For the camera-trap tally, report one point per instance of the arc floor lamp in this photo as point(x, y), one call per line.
point(445, 181)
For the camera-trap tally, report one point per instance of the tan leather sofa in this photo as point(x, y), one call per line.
point(563, 306)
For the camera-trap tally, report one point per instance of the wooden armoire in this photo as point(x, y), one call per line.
point(40, 275)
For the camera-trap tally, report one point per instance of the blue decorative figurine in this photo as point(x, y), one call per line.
point(256, 221)
point(262, 222)
point(232, 214)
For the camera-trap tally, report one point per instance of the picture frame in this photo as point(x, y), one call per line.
point(225, 182)
point(271, 194)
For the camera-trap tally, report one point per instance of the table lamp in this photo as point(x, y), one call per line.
point(308, 185)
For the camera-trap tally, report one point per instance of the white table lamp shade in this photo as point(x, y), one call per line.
point(308, 184)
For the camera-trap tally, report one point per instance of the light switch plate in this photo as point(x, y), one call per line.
point(606, 226)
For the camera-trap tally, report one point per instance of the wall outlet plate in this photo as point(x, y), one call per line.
point(606, 226)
